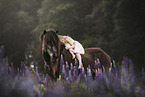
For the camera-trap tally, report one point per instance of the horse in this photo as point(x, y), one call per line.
point(52, 49)
point(51, 52)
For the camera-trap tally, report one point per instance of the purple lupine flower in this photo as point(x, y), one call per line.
point(76, 63)
point(70, 78)
point(115, 67)
point(89, 74)
point(71, 69)
point(37, 74)
point(126, 78)
point(100, 73)
point(47, 78)
point(61, 60)
point(6, 67)
point(18, 72)
point(116, 71)
point(110, 72)
point(67, 66)
point(125, 62)
point(131, 73)
point(43, 79)
point(96, 74)
point(11, 70)
point(131, 66)
point(104, 73)
point(76, 70)
point(96, 64)
point(82, 74)
point(66, 70)
point(27, 71)
point(23, 69)
point(124, 67)
point(63, 72)
point(61, 64)
point(75, 73)
point(105, 77)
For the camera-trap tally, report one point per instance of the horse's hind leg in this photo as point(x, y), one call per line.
point(85, 68)
point(92, 69)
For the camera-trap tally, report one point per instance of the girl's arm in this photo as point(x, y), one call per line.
point(70, 47)
point(71, 42)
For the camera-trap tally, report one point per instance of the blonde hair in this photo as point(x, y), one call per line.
point(63, 38)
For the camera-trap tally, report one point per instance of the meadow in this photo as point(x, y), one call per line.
point(122, 81)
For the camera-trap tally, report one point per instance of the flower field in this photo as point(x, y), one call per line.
point(28, 82)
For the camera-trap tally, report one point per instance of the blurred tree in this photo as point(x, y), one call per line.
point(115, 26)
point(128, 35)
point(18, 19)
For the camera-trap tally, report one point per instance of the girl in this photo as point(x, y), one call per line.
point(74, 47)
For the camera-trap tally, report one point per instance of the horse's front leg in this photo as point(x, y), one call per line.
point(53, 65)
point(46, 59)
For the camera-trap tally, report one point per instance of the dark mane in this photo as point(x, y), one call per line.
point(49, 37)
point(52, 38)
point(51, 51)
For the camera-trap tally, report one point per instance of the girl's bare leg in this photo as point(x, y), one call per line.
point(73, 55)
point(78, 56)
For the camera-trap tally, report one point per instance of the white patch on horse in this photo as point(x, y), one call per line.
point(50, 52)
point(55, 51)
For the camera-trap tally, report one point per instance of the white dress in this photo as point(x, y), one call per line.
point(69, 42)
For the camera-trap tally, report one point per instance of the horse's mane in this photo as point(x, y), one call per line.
point(49, 37)
point(51, 52)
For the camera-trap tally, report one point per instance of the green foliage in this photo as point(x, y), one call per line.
point(18, 19)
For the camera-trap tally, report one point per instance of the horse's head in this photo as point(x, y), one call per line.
point(49, 37)
point(48, 31)
point(50, 51)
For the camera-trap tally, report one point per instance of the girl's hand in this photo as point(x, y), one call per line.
point(71, 47)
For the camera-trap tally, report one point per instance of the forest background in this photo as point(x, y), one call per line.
point(116, 26)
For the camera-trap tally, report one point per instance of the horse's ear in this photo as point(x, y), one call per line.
point(44, 32)
point(56, 31)
point(41, 36)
